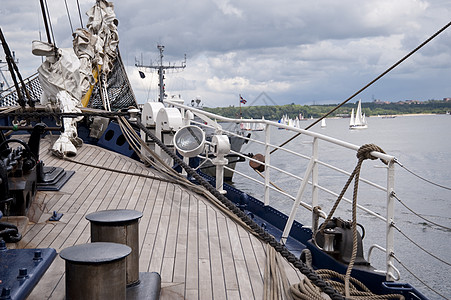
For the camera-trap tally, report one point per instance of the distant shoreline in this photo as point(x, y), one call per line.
point(405, 115)
point(370, 109)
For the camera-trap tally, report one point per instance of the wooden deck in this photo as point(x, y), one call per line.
point(199, 252)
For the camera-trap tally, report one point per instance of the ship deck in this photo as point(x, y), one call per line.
point(199, 252)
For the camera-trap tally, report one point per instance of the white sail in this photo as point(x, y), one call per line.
point(323, 123)
point(358, 115)
point(358, 121)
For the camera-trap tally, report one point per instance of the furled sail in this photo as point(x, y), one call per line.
point(91, 74)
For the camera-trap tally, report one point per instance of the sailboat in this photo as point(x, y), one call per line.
point(358, 121)
point(323, 123)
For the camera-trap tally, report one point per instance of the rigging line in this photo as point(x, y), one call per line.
point(79, 14)
point(50, 23)
point(46, 25)
point(119, 171)
point(413, 242)
point(422, 178)
point(68, 15)
point(369, 84)
point(411, 273)
point(418, 215)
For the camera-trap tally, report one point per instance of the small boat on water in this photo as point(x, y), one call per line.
point(358, 121)
point(323, 123)
point(202, 238)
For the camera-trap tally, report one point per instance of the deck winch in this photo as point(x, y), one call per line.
point(336, 240)
point(22, 173)
point(18, 172)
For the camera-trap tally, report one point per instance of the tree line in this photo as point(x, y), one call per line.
point(275, 112)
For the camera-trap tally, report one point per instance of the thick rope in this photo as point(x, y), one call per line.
point(276, 284)
point(305, 290)
point(363, 153)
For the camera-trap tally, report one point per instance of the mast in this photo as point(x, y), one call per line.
point(5, 84)
point(161, 70)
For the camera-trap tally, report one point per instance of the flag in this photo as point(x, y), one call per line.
point(142, 75)
point(242, 100)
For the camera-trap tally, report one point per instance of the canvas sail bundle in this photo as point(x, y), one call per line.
point(75, 77)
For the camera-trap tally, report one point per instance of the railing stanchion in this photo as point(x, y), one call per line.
point(390, 219)
point(294, 208)
point(267, 162)
point(315, 173)
point(314, 181)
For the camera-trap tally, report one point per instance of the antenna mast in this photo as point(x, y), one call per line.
point(161, 71)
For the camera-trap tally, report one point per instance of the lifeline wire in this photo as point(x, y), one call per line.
point(413, 242)
point(418, 215)
point(369, 84)
point(422, 178)
point(413, 274)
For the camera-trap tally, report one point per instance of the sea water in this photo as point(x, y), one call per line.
point(423, 145)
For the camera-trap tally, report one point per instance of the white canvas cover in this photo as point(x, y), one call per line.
point(60, 81)
point(67, 74)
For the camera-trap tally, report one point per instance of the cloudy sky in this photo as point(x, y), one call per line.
point(295, 51)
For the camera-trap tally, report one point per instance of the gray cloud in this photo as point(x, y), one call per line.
point(296, 51)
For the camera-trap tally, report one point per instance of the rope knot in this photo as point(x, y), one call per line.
point(364, 152)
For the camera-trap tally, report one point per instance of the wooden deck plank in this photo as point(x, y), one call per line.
point(217, 272)
point(179, 274)
point(228, 265)
point(171, 240)
point(202, 231)
point(147, 236)
point(134, 197)
point(192, 256)
point(205, 281)
point(244, 282)
point(164, 201)
point(256, 278)
point(198, 251)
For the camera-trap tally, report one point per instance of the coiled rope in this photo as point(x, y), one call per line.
point(305, 290)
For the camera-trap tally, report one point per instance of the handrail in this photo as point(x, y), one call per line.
point(379, 155)
point(311, 171)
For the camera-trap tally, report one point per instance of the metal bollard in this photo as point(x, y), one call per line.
point(119, 226)
point(96, 271)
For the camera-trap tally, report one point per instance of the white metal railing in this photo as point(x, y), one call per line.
point(310, 177)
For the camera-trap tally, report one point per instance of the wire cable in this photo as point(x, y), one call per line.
point(68, 15)
point(416, 277)
point(422, 178)
point(417, 214)
point(50, 23)
point(413, 242)
point(79, 14)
